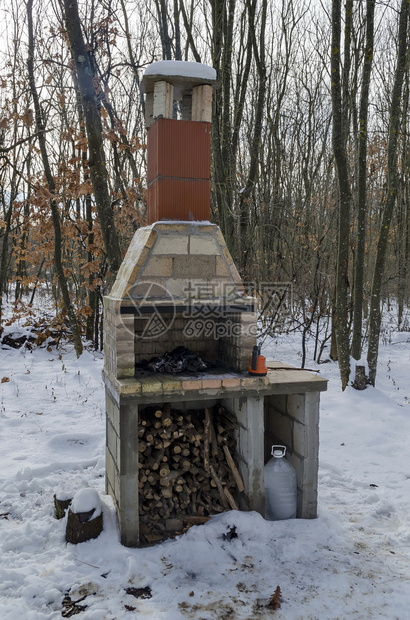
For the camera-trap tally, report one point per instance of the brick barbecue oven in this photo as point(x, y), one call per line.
point(179, 332)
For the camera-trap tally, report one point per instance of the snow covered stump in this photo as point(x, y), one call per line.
point(85, 520)
point(61, 504)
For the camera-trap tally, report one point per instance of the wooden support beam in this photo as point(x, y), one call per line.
point(202, 103)
point(163, 100)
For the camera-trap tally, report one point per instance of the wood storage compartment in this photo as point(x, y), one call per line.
point(186, 468)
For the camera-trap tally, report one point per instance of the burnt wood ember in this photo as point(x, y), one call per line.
point(180, 359)
point(186, 468)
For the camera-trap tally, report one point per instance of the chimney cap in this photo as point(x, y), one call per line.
point(183, 75)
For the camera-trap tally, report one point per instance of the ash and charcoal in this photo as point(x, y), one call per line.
point(178, 360)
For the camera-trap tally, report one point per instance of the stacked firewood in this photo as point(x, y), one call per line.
point(186, 468)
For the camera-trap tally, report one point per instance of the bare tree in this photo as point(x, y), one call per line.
point(391, 191)
point(98, 171)
point(359, 267)
point(51, 187)
point(339, 104)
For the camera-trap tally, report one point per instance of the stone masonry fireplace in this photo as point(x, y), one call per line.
point(178, 288)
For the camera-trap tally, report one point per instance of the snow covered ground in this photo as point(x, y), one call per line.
point(351, 562)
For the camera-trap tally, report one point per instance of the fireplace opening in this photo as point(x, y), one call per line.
point(186, 469)
point(178, 360)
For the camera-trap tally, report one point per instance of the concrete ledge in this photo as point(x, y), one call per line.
point(153, 388)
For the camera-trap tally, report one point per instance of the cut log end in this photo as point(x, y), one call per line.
point(60, 506)
point(79, 529)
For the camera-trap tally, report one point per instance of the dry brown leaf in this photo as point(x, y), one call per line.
point(5, 379)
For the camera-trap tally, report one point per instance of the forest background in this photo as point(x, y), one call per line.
point(310, 155)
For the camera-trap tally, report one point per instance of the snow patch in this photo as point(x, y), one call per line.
point(351, 562)
point(181, 68)
point(86, 500)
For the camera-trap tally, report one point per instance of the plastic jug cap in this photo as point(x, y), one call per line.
point(278, 451)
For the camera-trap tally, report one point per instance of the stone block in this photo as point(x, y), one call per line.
point(232, 382)
point(150, 385)
point(125, 347)
point(247, 342)
point(249, 382)
point(124, 334)
point(146, 289)
point(209, 384)
point(222, 268)
point(125, 372)
point(130, 266)
point(201, 267)
point(171, 385)
point(130, 386)
point(122, 320)
point(172, 227)
point(136, 264)
point(158, 266)
point(191, 384)
point(171, 245)
point(125, 357)
point(206, 245)
point(202, 228)
point(177, 288)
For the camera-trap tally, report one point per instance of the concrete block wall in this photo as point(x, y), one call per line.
point(122, 464)
point(293, 420)
point(263, 418)
point(249, 450)
point(119, 350)
point(112, 451)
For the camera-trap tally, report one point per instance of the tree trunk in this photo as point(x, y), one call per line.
point(391, 193)
point(162, 14)
point(259, 54)
point(403, 223)
point(98, 171)
point(223, 161)
point(5, 251)
point(362, 186)
point(340, 154)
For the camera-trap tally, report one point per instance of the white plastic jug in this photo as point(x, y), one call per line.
point(280, 487)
